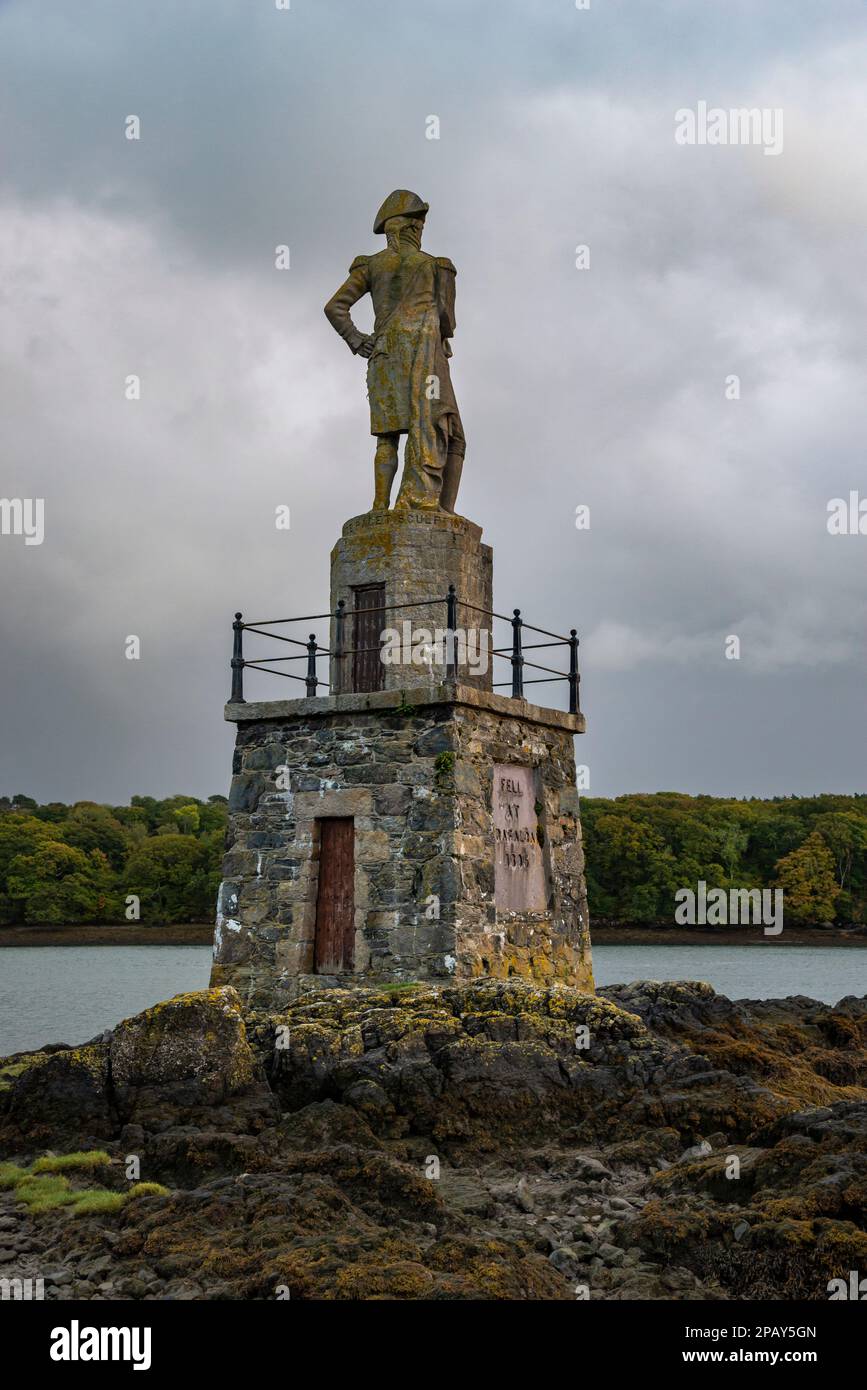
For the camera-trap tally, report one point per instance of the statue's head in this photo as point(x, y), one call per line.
point(400, 204)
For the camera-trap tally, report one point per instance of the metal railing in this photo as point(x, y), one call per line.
point(312, 650)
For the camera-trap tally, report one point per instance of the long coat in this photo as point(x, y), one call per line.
point(409, 385)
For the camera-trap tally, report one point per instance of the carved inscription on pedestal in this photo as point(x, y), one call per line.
point(519, 875)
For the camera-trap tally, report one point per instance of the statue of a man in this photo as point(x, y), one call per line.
point(408, 381)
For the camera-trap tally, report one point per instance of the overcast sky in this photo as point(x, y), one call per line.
point(604, 387)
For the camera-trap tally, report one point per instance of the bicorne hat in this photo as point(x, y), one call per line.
point(400, 203)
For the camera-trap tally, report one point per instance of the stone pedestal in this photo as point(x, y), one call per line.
point(415, 556)
point(465, 840)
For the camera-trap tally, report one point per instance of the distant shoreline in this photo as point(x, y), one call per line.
point(130, 934)
point(602, 933)
point(656, 934)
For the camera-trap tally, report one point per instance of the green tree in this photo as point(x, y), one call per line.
point(19, 835)
point(187, 818)
point(58, 884)
point(131, 817)
point(213, 815)
point(92, 827)
point(733, 840)
point(174, 878)
point(777, 831)
point(631, 871)
point(149, 807)
point(845, 834)
point(167, 810)
point(808, 881)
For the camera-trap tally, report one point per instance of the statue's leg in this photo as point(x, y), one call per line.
point(384, 469)
point(452, 471)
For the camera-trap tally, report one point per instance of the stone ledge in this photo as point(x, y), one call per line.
point(399, 520)
point(382, 701)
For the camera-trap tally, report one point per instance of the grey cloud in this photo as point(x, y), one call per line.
point(602, 387)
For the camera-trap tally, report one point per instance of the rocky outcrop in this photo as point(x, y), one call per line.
point(803, 1050)
point(488, 1140)
point(493, 1066)
point(185, 1061)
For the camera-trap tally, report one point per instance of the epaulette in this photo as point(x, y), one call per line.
point(446, 263)
point(358, 262)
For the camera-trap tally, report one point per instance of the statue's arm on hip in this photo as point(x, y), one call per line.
point(338, 307)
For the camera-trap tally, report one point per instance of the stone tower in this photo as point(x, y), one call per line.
point(426, 829)
point(412, 823)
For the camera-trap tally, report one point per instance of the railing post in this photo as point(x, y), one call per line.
point(517, 658)
point(311, 680)
point(339, 638)
point(574, 677)
point(237, 695)
point(451, 630)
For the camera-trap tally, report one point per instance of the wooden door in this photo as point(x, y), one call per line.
point(334, 948)
point(368, 671)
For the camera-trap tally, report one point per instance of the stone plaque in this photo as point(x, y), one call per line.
point(519, 876)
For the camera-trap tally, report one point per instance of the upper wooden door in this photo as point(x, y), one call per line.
point(368, 671)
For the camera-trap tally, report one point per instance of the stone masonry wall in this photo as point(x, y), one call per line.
point(416, 555)
point(548, 944)
point(415, 771)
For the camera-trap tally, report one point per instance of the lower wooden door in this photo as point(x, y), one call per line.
point(334, 949)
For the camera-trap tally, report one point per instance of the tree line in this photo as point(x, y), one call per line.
point(152, 861)
point(640, 849)
point(85, 862)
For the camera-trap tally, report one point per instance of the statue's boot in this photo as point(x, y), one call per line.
point(451, 480)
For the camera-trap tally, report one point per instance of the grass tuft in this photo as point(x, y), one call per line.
point(44, 1193)
point(148, 1189)
point(11, 1175)
point(99, 1201)
point(43, 1187)
point(58, 1163)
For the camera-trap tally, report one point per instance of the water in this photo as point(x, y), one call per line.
point(70, 993)
point(766, 971)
